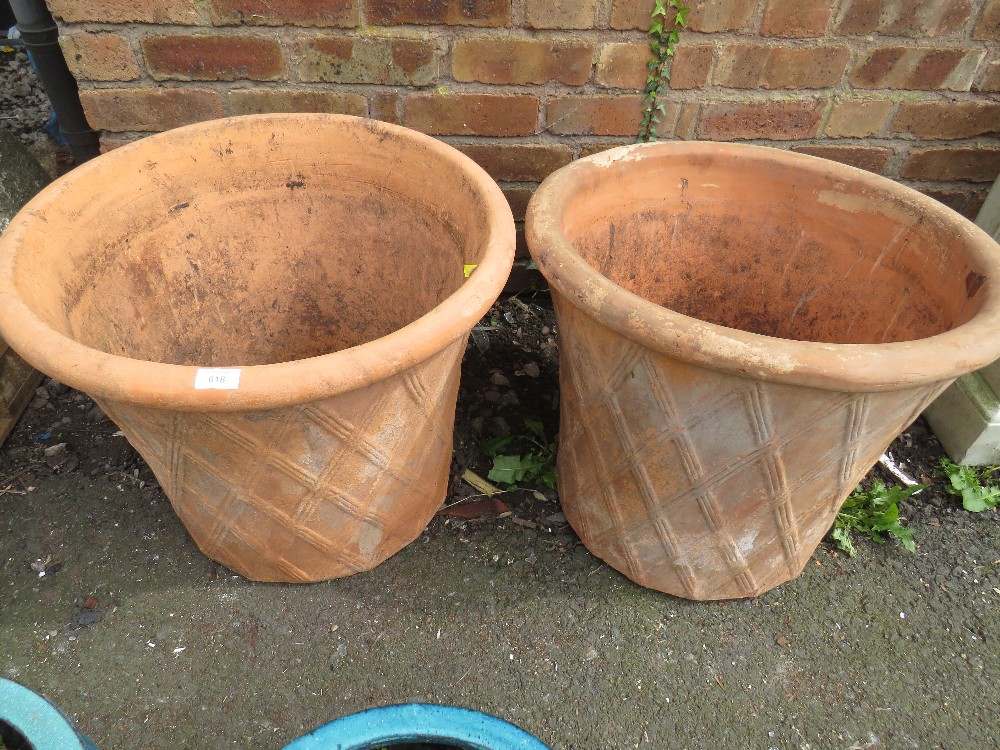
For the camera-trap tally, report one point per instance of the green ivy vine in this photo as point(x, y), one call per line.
point(664, 36)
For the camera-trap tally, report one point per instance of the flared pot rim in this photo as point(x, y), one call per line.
point(169, 386)
point(842, 367)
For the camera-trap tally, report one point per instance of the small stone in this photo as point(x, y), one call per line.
point(55, 388)
point(781, 640)
point(41, 393)
point(96, 414)
point(591, 654)
point(499, 426)
point(492, 396)
point(85, 618)
point(510, 399)
point(499, 379)
point(55, 450)
point(338, 655)
point(531, 370)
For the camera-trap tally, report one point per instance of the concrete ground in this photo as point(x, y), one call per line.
point(145, 643)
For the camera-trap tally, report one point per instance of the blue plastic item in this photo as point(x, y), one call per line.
point(38, 721)
point(418, 723)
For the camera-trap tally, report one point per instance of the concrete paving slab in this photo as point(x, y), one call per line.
point(145, 643)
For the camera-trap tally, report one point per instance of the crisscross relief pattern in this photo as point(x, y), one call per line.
point(310, 492)
point(703, 484)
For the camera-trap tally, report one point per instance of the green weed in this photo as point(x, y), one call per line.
point(874, 512)
point(972, 485)
point(528, 457)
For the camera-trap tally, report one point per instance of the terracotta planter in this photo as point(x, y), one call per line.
point(742, 333)
point(319, 256)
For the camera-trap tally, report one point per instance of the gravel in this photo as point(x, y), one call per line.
point(23, 103)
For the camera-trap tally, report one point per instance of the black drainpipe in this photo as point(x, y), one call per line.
point(41, 38)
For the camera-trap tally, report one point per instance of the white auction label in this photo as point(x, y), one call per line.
point(218, 378)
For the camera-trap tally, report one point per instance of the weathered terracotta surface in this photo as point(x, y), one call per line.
point(323, 256)
point(742, 333)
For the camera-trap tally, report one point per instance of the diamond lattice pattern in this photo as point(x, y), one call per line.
point(704, 484)
point(313, 491)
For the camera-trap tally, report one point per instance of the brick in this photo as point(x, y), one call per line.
point(450, 12)
point(945, 119)
point(857, 118)
point(339, 13)
point(795, 18)
point(125, 11)
point(471, 114)
point(385, 107)
point(597, 148)
point(622, 66)
point(522, 61)
point(720, 15)
point(261, 101)
point(989, 79)
point(687, 122)
point(744, 121)
point(751, 66)
point(100, 57)
point(631, 14)
point(988, 25)
point(966, 202)
point(691, 66)
point(521, 162)
point(560, 14)
point(213, 58)
point(949, 164)
point(705, 15)
point(344, 59)
point(913, 18)
point(600, 115)
point(142, 109)
point(872, 158)
point(923, 68)
point(110, 143)
point(517, 199)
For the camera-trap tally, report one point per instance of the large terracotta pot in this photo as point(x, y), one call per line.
point(319, 257)
point(742, 333)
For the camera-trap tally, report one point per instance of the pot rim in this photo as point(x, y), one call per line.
point(841, 367)
point(161, 385)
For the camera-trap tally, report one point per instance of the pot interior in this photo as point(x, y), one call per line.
point(252, 242)
point(785, 248)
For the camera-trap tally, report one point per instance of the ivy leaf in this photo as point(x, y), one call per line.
point(681, 18)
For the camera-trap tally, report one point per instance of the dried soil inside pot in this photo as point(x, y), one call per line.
point(774, 250)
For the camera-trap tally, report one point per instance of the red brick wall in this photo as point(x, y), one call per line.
point(906, 88)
